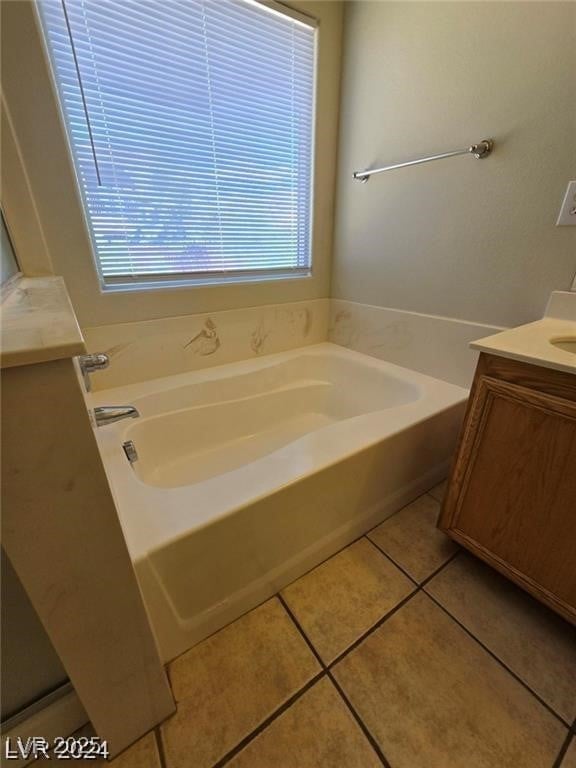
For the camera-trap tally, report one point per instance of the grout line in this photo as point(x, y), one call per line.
point(420, 495)
point(355, 715)
point(387, 556)
point(563, 749)
point(269, 720)
point(441, 568)
point(405, 572)
point(394, 514)
point(438, 501)
point(160, 746)
point(300, 630)
point(424, 493)
point(496, 658)
point(328, 666)
point(380, 621)
point(329, 557)
point(383, 618)
point(372, 629)
point(364, 728)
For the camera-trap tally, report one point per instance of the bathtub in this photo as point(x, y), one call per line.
point(250, 474)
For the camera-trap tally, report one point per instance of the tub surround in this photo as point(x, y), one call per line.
point(157, 348)
point(433, 345)
point(534, 342)
point(38, 322)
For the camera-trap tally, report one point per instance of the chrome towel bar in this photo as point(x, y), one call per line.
point(480, 151)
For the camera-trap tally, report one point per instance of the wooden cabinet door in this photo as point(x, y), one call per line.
point(512, 495)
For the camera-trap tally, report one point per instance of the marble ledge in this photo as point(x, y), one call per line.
point(38, 323)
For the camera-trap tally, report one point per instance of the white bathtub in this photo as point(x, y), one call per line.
point(249, 474)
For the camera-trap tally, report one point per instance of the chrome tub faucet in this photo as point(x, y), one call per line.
point(103, 414)
point(108, 414)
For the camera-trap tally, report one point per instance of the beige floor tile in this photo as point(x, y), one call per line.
point(537, 645)
point(570, 756)
point(343, 597)
point(439, 491)
point(228, 684)
point(433, 698)
point(142, 754)
point(317, 731)
point(412, 540)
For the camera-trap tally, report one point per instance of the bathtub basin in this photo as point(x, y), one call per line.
point(250, 474)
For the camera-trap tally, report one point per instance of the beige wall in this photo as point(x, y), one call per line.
point(462, 238)
point(45, 160)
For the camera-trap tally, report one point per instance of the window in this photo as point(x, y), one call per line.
point(191, 125)
point(8, 264)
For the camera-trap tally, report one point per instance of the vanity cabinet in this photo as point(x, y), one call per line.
point(511, 498)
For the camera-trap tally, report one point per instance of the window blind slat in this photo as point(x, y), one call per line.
point(186, 21)
point(164, 133)
point(134, 61)
point(191, 125)
point(172, 39)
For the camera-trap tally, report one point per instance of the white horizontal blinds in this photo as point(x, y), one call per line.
point(191, 124)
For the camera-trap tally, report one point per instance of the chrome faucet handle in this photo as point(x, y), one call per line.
point(94, 362)
point(90, 363)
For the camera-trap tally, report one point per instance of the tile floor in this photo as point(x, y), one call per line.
point(399, 651)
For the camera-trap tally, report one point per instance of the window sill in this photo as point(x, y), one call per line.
point(199, 282)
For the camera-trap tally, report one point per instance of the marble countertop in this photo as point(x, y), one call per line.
point(531, 343)
point(38, 323)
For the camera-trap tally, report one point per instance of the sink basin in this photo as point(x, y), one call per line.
point(567, 344)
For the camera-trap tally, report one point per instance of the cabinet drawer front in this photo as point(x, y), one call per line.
point(513, 490)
